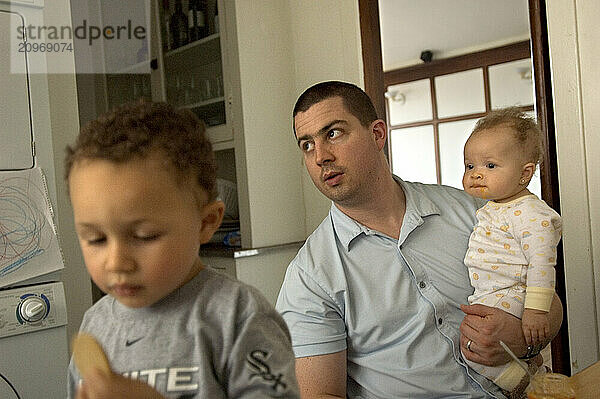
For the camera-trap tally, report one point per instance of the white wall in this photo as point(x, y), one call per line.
point(326, 43)
point(575, 56)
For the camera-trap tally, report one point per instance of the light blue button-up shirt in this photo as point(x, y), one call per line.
point(393, 304)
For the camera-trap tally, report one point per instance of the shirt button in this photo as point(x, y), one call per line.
point(440, 320)
point(422, 284)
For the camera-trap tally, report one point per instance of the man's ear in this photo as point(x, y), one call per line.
point(379, 133)
point(527, 172)
point(211, 216)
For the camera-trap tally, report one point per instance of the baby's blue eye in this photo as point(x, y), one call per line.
point(491, 165)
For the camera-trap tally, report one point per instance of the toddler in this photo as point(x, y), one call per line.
point(142, 185)
point(512, 249)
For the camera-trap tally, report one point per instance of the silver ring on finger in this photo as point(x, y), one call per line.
point(469, 342)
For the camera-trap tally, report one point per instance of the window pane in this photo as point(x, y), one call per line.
point(535, 185)
point(460, 93)
point(453, 136)
point(511, 83)
point(413, 154)
point(409, 102)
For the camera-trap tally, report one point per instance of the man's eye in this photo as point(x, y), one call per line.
point(491, 165)
point(469, 166)
point(307, 146)
point(333, 133)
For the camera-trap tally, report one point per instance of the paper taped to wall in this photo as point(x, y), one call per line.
point(29, 245)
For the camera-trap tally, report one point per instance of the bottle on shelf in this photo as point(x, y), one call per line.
point(179, 26)
point(216, 18)
point(193, 20)
point(202, 26)
point(166, 28)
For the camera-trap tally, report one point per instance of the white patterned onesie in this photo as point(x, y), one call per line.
point(511, 258)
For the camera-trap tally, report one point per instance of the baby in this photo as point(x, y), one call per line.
point(512, 249)
point(142, 185)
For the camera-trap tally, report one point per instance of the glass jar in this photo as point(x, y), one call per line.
point(550, 386)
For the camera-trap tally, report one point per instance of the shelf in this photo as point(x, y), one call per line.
point(204, 41)
point(139, 68)
point(204, 103)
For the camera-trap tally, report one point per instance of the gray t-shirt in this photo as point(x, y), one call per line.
point(215, 337)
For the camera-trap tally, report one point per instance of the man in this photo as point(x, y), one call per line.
point(373, 299)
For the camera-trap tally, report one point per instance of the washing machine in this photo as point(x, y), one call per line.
point(33, 316)
point(33, 332)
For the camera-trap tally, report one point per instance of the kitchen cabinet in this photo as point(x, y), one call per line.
point(240, 81)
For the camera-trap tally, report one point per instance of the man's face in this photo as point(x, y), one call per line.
point(341, 155)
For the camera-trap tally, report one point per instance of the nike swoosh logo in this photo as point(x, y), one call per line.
point(133, 341)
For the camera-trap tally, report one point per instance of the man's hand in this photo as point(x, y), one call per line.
point(99, 385)
point(536, 326)
point(485, 327)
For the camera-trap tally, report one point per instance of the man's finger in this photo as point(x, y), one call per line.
point(477, 310)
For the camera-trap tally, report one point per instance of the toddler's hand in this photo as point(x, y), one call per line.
point(99, 385)
point(536, 326)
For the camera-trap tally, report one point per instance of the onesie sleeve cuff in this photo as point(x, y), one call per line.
point(539, 298)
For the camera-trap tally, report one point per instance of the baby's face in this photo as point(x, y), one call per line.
point(139, 231)
point(494, 165)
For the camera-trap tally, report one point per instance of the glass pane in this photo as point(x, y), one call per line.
point(453, 136)
point(535, 185)
point(194, 79)
point(511, 83)
point(413, 154)
point(409, 102)
point(460, 93)
point(123, 88)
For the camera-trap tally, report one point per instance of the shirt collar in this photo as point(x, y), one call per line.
point(418, 206)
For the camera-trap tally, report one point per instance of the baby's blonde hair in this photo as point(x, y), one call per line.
point(525, 128)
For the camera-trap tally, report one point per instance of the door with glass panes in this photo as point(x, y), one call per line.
point(430, 118)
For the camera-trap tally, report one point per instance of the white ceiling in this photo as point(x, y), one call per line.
point(447, 27)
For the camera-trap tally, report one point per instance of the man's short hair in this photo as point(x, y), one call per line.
point(355, 99)
point(138, 128)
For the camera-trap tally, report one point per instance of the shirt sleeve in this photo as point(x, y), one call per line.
point(72, 380)
point(540, 231)
point(262, 363)
point(314, 318)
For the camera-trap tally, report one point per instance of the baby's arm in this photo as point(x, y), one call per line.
point(540, 233)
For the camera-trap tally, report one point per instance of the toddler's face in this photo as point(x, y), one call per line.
point(139, 231)
point(494, 165)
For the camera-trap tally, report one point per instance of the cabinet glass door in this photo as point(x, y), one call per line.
point(192, 61)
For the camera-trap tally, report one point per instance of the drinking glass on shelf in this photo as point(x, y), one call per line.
point(175, 91)
point(191, 91)
point(217, 87)
point(206, 90)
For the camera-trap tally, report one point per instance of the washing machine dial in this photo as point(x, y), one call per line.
point(33, 309)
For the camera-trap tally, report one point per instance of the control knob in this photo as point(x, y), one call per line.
point(33, 309)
